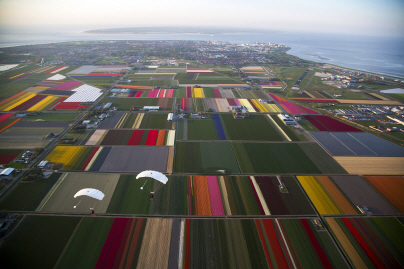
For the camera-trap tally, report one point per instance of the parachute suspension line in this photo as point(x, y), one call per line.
point(144, 184)
point(158, 187)
point(77, 203)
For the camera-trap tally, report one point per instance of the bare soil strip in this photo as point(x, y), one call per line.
point(170, 160)
point(372, 165)
point(155, 249)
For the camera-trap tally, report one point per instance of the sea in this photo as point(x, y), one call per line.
point(382, 55)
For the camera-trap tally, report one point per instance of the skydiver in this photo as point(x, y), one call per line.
point(152, 196)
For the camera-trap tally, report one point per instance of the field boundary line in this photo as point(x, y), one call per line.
point(88, 167)
point(343, 144)
point(362, 143)
point(120, 121)
point(181, 246)
point(68, 242)
point(260, 196)
point(139, 120)
point(135, 121)
point(278, 128)
point(223, 191)
point(50, 193)
point(286, 243)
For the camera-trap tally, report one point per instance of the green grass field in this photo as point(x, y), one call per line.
point(201, 130)
point(160, 83)
point(254, 127)
point(282, 158)
point(37, 242)
point(188, 157)
point(218, 157)
point(399, 97)
point(21, 132)
point(97, 81)
point(155, 121)
point(13, 88)
point(28, 196)
point(124, 104)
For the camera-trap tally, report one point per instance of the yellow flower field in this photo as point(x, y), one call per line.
point(198, 93)
point(272, 108)
point(318, 196)
point(43, 103)
point(258, 105)
point(17, 101)
point(67, 155)
point(244, 102)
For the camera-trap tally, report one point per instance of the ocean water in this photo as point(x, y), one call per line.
point(384, 55)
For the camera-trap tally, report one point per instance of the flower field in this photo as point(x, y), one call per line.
point(182, 195)
point(132, 138)
point(325, 123)
point(144, 121)
point(361, 193)
point(66, 86)
point(326, 196)
point(73, 157)
point(110, 159)
point(391, 188)
point(370, 242)
point(241, 193)
point(15, 100)
point(172, 243)
point(61, 105)
point(29, 101)
point(6, 121)
point(45, 103)
point(320, 100)
point(7, 156)
point(271, 85)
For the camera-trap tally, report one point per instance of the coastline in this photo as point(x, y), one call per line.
point(300, 44)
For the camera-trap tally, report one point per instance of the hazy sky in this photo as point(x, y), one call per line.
point(367, 17)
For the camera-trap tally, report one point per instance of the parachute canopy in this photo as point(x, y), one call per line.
point(153, 174)
point(93, 193)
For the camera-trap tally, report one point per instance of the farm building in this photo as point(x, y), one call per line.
point(42, 164)
point(6, 172)
point(151, 108)
point(170, 116)
point(286, 119)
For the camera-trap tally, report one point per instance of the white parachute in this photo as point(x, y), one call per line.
point(93, 193)
point(152, 174)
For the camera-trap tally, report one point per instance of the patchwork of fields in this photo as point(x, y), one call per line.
point(246, 192)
